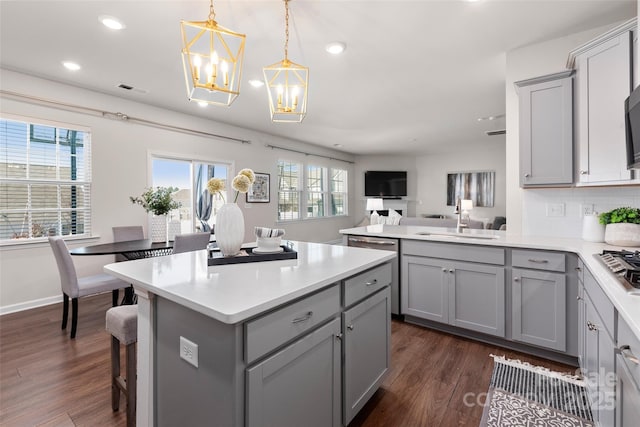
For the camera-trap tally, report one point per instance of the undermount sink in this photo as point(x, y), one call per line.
point(459, 235)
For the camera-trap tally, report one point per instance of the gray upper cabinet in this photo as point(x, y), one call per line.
point(546, 130)
point(603, 81)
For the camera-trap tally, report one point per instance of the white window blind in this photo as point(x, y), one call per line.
point(45, 180)
point(289, 177)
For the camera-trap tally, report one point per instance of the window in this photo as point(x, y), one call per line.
point(338, 192)
point(288, 190)
point(316, 188)
point(198, 210)
point(324, 192)
point(45, 180)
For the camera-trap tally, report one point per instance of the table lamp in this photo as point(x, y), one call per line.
point(374, 205)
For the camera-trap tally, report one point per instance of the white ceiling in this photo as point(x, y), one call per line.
point(414, 78)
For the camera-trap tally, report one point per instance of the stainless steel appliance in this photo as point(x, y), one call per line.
point(385, 244)
point(625, 265)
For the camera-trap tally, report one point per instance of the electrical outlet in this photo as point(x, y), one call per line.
point(189, 351)
point(555, 209)
point(586, 209)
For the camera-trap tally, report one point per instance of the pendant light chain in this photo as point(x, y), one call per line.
point(212, 13)
point(286, 31)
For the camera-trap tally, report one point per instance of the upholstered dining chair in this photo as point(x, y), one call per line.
point(74, 287)
point(188, 242)
point(126, 233)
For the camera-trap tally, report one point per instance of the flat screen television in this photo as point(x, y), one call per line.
point(632, 121)
point(385, 184)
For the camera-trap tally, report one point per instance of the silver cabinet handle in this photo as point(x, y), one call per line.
point(527, 175)
point(584, 172)
point(444, 270)
point(625, 350)
point(374, 242)
point(591, 326)
point(450, 270)
point(516, 279)
point(350, 327)
point(371, 283)
point(339, 337)
point(578, 269)
point(538, 261)
point(303, 318)
point(579, 298)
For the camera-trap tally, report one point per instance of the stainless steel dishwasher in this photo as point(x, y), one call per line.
point(385, 244)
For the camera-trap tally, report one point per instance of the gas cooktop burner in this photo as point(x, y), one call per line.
point(625, 265)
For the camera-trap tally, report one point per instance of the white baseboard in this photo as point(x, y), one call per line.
point(14, 308)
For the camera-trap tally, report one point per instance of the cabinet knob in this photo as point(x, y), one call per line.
point(450, 270)
point(444, 270)
point(339, 337)
point(516, 279)
point(527, 175)
point(584, 172)
point(591, 326)
point(579, 298)
point(350, 327)
point(578, 269)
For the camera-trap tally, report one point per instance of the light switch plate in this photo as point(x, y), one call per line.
point(189, 351)
point(555, 209)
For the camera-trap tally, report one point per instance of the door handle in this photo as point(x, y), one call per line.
point(625, 351)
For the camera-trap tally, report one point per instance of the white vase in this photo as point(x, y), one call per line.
point(229, 229)
point(622, 234)
point(159, 230)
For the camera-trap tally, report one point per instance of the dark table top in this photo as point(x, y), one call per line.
point(131, 246)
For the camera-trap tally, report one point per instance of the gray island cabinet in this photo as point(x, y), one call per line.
point(292, 342)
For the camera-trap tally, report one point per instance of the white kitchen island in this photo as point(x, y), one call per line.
point(328, 306)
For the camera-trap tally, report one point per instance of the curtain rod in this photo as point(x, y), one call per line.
point(117, 116)
point(307, 154)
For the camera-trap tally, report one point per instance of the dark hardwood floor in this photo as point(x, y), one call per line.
point(48, 379)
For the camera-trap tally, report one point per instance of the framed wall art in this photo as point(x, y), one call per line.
point(476, 186)
point(259, 191)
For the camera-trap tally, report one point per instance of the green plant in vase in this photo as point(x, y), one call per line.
point(622, 226)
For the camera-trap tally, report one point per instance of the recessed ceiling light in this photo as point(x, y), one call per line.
point(111, 22)
point(335, 48)
point(202, 104)
point(71, 66)
point(256, 83)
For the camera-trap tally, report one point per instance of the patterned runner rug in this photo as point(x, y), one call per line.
point(521, 394)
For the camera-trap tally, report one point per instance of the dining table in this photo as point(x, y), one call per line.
point(131, 250)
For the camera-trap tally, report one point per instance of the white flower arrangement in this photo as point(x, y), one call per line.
point(241, 183)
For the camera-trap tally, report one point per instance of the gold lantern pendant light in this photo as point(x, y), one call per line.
point(287, 84)
point(212, 58)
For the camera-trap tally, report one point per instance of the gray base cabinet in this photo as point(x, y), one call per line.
point(466, 295)
point(304, 378)
point(627, 396)
point(366, 334)
point(539, 308)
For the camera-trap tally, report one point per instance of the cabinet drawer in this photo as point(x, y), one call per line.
point(466, 252)
point(602, 304)
point(538, 260)
point(630, 355)
point(274, 329)
point(358, 287)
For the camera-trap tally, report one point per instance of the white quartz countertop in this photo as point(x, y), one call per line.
point(235, 292)
point(627, 305)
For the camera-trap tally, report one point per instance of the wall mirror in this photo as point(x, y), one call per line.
point(477, 186)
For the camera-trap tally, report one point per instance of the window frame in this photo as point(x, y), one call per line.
point(304, 192)
point(58, 182)
point(182, 157)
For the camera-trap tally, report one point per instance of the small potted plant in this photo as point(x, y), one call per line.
point(622, 226)
point(159, 202)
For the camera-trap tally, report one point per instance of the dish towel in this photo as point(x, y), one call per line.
point(269, 232)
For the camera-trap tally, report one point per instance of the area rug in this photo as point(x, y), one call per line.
point(521, 394)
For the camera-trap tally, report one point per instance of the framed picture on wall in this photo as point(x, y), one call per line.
point(259, 191)
point(476, 186)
